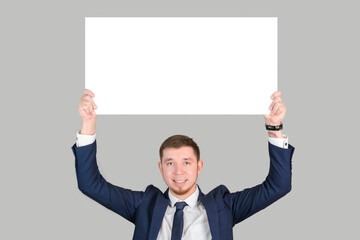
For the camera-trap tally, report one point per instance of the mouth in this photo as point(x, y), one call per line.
point(179, 182)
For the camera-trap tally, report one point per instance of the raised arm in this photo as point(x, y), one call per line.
point(276, 185)
point(90, 181)
point(278, 182)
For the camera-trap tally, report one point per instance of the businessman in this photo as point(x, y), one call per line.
point(183, 211)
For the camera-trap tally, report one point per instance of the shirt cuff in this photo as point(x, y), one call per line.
point(280, 142)
point(83, 140)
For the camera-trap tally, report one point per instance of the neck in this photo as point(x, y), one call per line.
point(185, 195)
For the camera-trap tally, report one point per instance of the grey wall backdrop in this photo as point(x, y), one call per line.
point(42, 79)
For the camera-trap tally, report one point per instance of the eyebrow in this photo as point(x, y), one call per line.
point(185, 159)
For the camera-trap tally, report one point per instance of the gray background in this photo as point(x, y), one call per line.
point(42, 79)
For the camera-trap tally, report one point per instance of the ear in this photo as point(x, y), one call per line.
point(160, 167)
point(200, 164)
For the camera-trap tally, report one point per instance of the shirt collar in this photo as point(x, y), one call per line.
point(190, 201)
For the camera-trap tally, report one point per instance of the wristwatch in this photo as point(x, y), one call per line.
point(274, 128)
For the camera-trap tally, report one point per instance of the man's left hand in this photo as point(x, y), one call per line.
point(277, 109)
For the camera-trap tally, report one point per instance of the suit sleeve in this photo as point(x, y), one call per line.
point(276, 185)
point(92, 184)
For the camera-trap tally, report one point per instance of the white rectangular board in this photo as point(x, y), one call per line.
point(181, 65)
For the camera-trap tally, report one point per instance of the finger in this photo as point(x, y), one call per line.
point(278, 111)
point(275, 108)
point(272, 105)
point(275, 95)
point(281, 105)
point(91, 110)
point(86, 109)
point(277, 100)
point(91, 100)
point(90, 107)
point(88, 92)
point(87, 106)
point(83, 112)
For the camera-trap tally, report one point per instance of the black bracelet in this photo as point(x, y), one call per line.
point(274, 128)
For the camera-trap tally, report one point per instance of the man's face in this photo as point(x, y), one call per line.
point(180, 169)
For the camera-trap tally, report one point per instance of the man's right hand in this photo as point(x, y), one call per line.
point(87, 113)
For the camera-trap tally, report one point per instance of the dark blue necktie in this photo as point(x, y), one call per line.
point(178, 223)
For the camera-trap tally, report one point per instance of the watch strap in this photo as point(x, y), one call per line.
point(274, 128)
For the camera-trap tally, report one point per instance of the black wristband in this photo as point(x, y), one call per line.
point(274, 128)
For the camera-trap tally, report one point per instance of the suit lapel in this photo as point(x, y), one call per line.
point(161, 203)
point(210, 206)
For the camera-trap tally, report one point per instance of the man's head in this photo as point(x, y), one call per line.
point(180, 165)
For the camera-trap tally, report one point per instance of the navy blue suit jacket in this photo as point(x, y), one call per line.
point(146, 209)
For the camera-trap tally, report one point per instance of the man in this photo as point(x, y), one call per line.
point(183, 211)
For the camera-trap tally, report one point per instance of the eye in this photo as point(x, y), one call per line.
point(170, 163)
point(187, 163)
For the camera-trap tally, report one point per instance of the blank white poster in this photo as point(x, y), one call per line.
point(181, 65)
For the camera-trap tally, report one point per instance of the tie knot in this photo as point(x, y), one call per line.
point(180, 205)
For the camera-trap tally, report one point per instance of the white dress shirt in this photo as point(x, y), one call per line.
point(196, 224)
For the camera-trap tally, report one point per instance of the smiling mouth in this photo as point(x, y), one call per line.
point(179, 181)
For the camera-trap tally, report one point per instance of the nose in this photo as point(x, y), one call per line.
point(179, 169)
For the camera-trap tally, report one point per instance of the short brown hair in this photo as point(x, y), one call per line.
point(177, 141)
